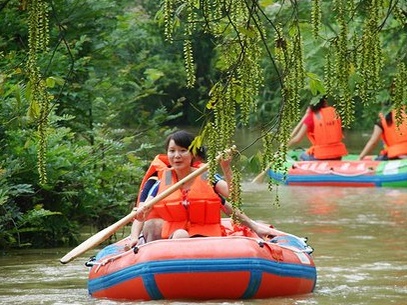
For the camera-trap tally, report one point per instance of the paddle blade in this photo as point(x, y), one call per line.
point(259, 178)
point(97, 239)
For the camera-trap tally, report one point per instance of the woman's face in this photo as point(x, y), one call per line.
point(180, 157)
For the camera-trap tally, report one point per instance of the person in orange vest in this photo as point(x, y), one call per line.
point(148, 189)
point(193, 210)
point(394, 137)
point(323, 127)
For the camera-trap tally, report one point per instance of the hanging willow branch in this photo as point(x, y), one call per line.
point(39, 105)
point(236, 28)
point(399, 92)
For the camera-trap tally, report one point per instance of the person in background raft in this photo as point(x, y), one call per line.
point(393, 136)
point(193, 210)
point(323, 127)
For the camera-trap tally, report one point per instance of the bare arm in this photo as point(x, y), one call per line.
point(222, 187)
point(371, 144)
point(137, 225)
point(136, 228)
point(262, 230)
point(299, 136)
point(300, 123)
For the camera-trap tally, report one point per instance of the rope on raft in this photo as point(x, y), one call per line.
point(332, 171)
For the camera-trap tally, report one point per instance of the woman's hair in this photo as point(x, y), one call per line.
point(320, 104)
point(181, 138)
point(201, 153)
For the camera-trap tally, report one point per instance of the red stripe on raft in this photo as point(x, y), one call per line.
point(125, 291)
point(268, 287)
point(220, 285)
point(343, 184)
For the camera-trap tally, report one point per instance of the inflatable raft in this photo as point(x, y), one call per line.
point(346, 172)
point(237, 266)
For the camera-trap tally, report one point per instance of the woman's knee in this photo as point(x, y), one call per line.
point(181, 233)
point(152, 229)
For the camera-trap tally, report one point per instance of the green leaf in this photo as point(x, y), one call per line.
point(265, 3)
point(248, 32)
point(315, 84)
point(33, 111)
point(50, 82)
point(153, 74)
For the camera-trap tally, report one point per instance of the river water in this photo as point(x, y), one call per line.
point(358, 234)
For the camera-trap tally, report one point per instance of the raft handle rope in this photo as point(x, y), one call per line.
point(302, 245)
point(332, 171)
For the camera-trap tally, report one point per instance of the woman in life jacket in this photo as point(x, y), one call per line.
point(148, 188)
point(393, 135)
point(195, 209)
point(323, 127)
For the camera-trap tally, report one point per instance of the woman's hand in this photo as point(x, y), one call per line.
point(142, 212)
point(262, 230)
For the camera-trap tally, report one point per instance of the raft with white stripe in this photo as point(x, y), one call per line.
point(237, 266)
point(348, 172)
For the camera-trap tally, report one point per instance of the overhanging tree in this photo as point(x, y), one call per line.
point(353, 40)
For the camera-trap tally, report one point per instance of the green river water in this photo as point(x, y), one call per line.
point(358, 234)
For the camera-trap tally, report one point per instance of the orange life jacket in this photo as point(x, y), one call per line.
point(158, 165)
point(326, 138)
point(202, 216)
point(395, 137)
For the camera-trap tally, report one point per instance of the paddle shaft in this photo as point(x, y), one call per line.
point(175, 187)
point(101, 236)
point(259, 177)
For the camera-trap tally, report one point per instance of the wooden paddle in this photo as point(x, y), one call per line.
point(259, 178)
point(101, 236)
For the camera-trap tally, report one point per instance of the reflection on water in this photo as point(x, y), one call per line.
point(358, 235)
point(36, 277)
point(359, 239)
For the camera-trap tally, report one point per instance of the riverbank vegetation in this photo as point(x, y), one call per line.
point(89, 89)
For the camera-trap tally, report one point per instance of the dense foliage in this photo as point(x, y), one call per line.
point(88, 90)
point(108, 101)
